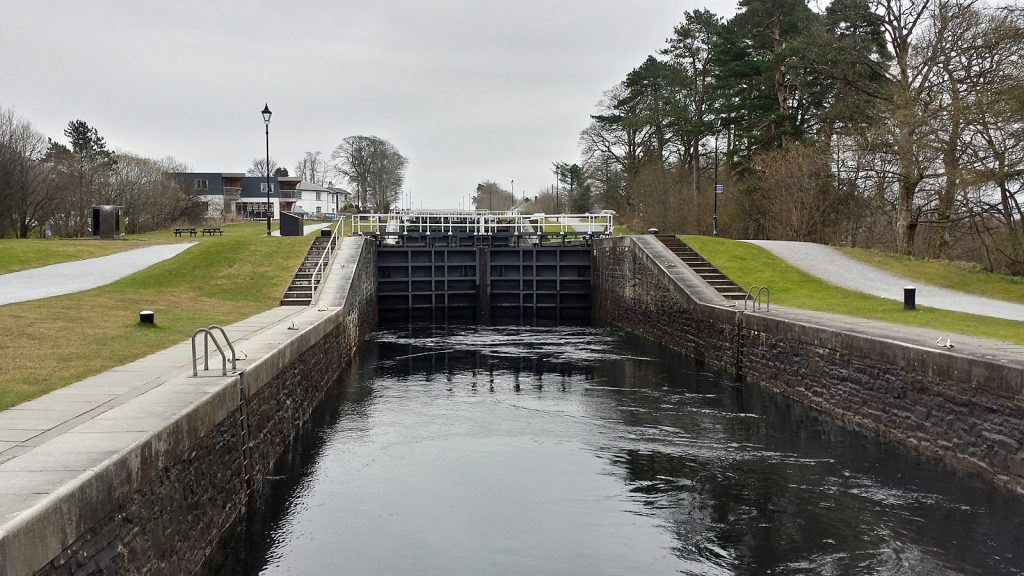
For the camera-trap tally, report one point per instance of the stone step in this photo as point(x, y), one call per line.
point(295, 302)
point(298, 293)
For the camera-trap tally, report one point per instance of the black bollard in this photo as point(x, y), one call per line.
point(147, 317)
point(909, 297)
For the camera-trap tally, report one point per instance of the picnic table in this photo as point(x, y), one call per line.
point(212, 231)
point(191, 231)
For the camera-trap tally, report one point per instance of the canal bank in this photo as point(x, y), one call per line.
point(964, 405)
point(142, 469)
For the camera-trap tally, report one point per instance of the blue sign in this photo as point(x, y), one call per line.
point(719, 188)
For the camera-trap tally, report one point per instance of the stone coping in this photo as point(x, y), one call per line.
point(68, 458)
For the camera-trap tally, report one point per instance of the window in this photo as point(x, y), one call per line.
point(318, 195)
point(263, 187)
point(202, 184)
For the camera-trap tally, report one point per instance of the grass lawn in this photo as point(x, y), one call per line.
point(223, 279)
point(963, 276)
point(748, 264)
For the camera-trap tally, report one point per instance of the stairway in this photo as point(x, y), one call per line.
point(703, 268)
point(300, 291)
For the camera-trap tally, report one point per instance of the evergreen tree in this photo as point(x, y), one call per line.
point(82, 176)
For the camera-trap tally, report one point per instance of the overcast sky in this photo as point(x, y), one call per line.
point(467, 90)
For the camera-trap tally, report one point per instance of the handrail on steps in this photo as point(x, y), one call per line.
point(754, 296)
point(207, 336)
point(326, 256)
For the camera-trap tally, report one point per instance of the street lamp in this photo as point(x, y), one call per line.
point(714, 218)
point(266, 120)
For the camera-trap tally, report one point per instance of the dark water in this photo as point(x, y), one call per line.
point(586, 451)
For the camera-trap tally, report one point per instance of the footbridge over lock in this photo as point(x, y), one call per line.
point(484, 267)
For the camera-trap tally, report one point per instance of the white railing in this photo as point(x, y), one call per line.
point(484, 223)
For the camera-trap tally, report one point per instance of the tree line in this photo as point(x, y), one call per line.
point(895, 124)
point(48, 184)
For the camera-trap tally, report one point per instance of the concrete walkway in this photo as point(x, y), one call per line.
point(81, 275)
point(836, 268)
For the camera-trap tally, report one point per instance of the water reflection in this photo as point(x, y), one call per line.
point(577, 450)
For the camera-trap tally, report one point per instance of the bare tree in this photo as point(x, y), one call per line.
point(151, 197)
point(910, 77)
point(375, 169)
point(259, 167)
point(313, 167)
point(24, 193)
point(814, 208)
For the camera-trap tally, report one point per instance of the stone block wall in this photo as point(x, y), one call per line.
point(641, 288)
point(965, 410)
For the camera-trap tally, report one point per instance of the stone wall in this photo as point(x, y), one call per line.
point(966, 410)
point(963, 410)
point(295, 384)
point(641, 286)
point(167, 504)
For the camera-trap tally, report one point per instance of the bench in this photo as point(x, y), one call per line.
point(191, 231)
point(212, 231)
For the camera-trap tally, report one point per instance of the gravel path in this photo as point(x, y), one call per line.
point(81, 275)
point(829, 264)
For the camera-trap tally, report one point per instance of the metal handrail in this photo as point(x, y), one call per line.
point(207, 336)
point(482, 222)
point(755, 298)
point(319, 270)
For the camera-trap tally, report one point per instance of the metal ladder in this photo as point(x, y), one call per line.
point(207, 336)
point(754, 297)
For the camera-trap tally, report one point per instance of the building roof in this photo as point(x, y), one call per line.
point(307, 186)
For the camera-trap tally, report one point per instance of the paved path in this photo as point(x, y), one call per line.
point(829, 264)
point(81, 275)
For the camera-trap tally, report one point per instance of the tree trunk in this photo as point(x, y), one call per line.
point(909, 178)
point(696, 170)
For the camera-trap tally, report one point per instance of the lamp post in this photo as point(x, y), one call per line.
point(714, 218)
point(266, 120)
